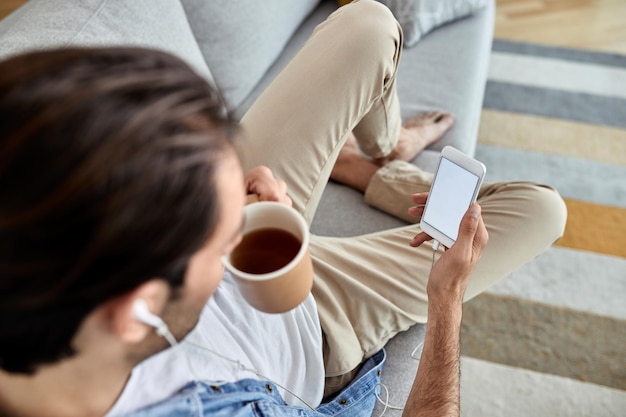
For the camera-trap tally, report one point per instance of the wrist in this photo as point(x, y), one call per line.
point(441, 310)
point(448, 297)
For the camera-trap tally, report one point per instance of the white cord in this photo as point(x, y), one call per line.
point(418, 347)
point(163, 330)
point(243, 367)
point(386, 401)
point(435, 247)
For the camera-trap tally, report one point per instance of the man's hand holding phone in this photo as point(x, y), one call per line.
point(436, 389)
point(450, 274)
point(448, 213)
point(455, 187)
point(451, 271)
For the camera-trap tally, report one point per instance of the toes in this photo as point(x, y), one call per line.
point(444, 121)
point(431, 117)
point(419, 120)
point(440, 116)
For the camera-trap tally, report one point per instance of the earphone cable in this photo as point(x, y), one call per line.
point(249, 369)
point(163, 330)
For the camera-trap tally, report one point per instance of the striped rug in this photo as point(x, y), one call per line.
point(551, 338)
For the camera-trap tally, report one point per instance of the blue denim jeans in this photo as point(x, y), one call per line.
point(256, 398)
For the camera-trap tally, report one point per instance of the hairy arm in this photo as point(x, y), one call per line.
point(435, 391)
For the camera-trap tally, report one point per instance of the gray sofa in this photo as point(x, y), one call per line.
point(241, 45)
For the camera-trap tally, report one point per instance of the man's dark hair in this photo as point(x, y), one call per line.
point(107, 161)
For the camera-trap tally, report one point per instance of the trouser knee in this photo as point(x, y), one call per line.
point(369, 26)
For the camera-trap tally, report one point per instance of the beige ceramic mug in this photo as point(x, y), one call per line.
point(272, 265)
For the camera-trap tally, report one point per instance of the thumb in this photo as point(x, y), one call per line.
point(469, 227)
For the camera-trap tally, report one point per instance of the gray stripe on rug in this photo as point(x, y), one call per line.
point(545, 338)
point(580, 107)
point(568, 54)
point(575, 178)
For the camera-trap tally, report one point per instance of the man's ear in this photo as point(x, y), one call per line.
point(123, 322)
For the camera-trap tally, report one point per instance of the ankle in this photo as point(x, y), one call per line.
point(354, 171)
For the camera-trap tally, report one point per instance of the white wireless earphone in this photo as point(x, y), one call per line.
point(143, 314)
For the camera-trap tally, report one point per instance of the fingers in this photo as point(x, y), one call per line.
point(419, 200)
point(419, 239)
point(271, 190)
point(416, 211)
point(451, 273)
point(261, 181)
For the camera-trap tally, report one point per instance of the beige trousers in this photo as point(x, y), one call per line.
point(371, 287)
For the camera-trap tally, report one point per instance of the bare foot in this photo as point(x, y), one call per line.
point(352, 168)
point(418, 133)
point(355, 170)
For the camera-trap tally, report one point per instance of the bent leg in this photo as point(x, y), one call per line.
point(342, 79)
point(371, 287)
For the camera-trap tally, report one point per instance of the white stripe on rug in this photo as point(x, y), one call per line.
point(558, 74)
point(489, 389)
point(561, 277)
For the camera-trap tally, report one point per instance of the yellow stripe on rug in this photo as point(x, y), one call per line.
point(595, 228)
point(553, 136)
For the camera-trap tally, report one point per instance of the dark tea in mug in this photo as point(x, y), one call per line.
point(272, 264)
point(265, 250)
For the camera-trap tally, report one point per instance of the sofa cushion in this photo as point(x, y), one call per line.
point(418, 17)
point(240, 39)
point(41, 24)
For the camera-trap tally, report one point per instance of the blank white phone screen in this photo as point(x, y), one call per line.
point(449, 198)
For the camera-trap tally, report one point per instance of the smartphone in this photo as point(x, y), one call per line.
point(455, 187)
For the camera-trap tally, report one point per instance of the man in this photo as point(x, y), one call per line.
point(120, 186)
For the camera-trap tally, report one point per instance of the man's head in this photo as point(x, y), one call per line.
point(117, 181)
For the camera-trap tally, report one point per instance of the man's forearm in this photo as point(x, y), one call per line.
point(435, 391)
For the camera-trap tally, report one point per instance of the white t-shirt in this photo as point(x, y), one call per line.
point(285, 348)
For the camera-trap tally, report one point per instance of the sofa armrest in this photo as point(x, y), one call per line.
point(45, 24)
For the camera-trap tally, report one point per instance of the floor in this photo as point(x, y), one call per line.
point(589, 24)
point(7, 6)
